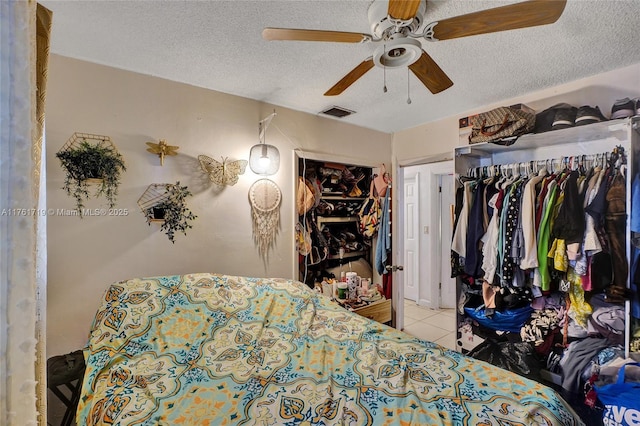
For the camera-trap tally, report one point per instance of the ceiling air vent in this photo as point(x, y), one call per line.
point(336, 111)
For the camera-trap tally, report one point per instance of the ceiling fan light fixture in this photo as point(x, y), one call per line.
point(400, 52)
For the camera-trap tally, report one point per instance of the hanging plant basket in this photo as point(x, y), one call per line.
point(91, 160)
point(158, 213)
point(151, 200)
point(164, 203)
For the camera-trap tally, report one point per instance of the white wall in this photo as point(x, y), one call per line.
point(86, 255)
point(441, 137)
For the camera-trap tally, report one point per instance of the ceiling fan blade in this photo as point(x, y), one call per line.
point(350, 78)
point(403, 9)
point(519, 15)
point(430, 74)
point(313, 35)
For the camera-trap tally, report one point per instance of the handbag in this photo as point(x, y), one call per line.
point(305, 196)
point(500, 123)
point(621, 400)
point(381, 181)
point(369, 215)
point(303, 240)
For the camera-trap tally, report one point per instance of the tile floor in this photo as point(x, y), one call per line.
point(435, 325)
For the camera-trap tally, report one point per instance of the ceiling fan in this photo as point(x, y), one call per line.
point(395, 26)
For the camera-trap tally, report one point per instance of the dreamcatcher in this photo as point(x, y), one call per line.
point(265, 198)
point(222, 173)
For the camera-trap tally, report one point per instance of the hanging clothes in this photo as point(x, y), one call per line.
point(512, 236)
point(591, 241)
point(490, 243)
point(475, 231)
point(528, 213)
point(459, 243)
point(569, 224)
point(615, 225)
point(457, 267)
point(542, 275)
point(384, 236)
point(517, 230)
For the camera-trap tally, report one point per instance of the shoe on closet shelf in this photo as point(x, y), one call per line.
point(564, 118)
point(623, 108)
point(544, 119)
point(325, 208)
point(589, 115)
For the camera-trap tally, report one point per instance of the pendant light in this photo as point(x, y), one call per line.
point(264, 159)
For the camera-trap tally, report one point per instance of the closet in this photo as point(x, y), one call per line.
point(538, 262)
point(329, 222)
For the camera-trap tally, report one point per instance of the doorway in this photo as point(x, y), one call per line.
point(426, 204)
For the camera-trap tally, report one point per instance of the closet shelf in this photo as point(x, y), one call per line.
point(332, 196)
point(336, 219)
point(348, 255)
point(616, 129)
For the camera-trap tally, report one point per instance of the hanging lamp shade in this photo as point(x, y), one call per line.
point(264, 159)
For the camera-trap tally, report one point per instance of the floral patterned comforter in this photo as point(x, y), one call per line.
point(207, 349)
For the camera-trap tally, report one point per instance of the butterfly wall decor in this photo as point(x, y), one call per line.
point(222, 173)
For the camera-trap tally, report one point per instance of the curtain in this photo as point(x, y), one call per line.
point(43, 34)
point(24, 40)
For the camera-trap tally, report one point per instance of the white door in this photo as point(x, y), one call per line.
point(411, 234)
point(426, 233)
point(447, 205)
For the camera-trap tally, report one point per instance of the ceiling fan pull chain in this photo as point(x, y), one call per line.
point(408, 87)
point(384, 74)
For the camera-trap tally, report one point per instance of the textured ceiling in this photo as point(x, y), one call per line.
point(218, 45)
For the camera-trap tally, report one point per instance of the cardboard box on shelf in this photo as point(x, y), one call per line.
point(464, 128)
point(523, 107)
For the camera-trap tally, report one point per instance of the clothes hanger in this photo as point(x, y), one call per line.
point(511, 176)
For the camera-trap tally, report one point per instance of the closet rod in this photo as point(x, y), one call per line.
point(563, 163)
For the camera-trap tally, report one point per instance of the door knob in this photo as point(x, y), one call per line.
point(394, 268)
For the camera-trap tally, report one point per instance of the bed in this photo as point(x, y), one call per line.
point(208, 349)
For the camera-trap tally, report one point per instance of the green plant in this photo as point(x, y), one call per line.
point(176, 215)
point(91, 161)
